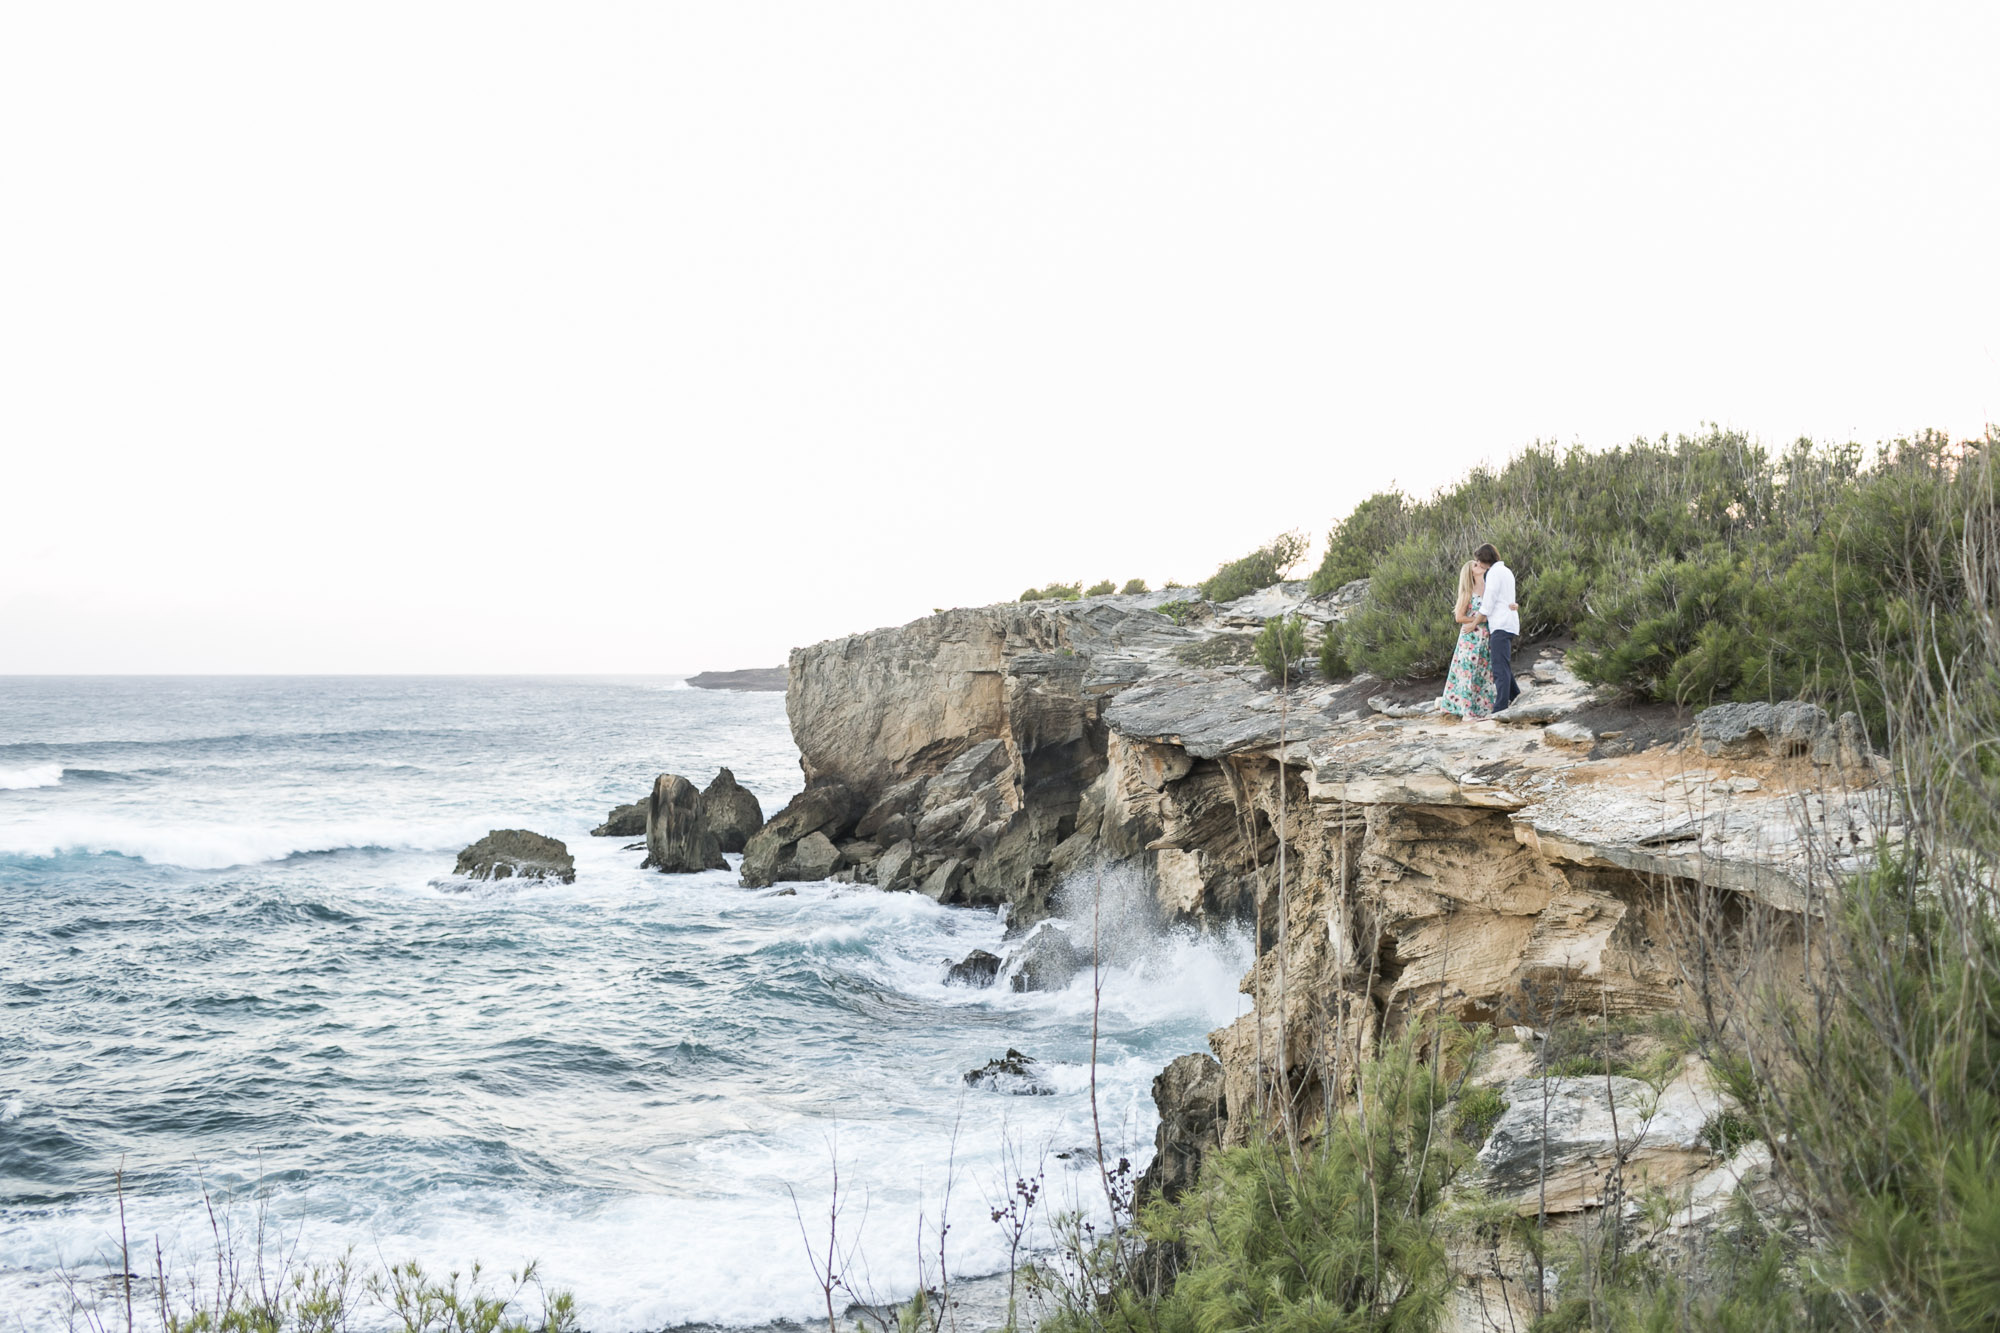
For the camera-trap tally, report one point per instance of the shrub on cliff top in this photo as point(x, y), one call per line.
point(1133, 586)
point(1690, 570)
point(1054, 592)
point(1258, 570)
point(1280, 645)
point(1101, 589)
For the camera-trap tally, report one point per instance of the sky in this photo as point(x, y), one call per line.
point(661, 337)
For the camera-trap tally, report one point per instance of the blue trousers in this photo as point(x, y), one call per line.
point(1505, 691)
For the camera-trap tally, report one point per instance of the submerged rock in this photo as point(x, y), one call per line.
point(730, 812)
point(515, 853)
point(624, 821)
point(1013, 1073)
point(977, 968)
point(1046, 960)
point(677, 842)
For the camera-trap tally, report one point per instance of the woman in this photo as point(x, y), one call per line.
point(1469, 690)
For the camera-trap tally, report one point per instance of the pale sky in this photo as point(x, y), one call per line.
point(662, 337)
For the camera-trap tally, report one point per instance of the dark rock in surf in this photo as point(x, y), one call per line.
point(1013, 1073)
point(677, 841)
point(730, 812)
point(1046, 960)
point(624, 821)
point(514, 853)
point(977, 968)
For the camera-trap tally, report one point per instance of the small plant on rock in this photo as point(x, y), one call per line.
point(1101, 589)
point(1133, 587)
point(1282, 643)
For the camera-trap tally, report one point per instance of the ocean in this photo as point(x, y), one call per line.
point(236, 967)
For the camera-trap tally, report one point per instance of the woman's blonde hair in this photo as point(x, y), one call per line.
point(1465, 583)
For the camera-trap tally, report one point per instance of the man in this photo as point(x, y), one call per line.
point(1503, 622)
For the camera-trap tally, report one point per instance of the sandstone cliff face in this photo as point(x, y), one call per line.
point(1583, 858)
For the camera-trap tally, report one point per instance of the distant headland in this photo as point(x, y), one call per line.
point(755, 678)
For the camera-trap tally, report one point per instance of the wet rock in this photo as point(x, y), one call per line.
point(768, 855)
point(624, 821)
point(677, 841)
point(892, 871)
point(1188, 1093)
point(814, 858)
point(515, 853)
point(1013, 1073)
point(730, 813)
point(946, 883)
point(1046, 960)
point(977, 968)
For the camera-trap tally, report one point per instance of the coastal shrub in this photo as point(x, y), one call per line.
point(1689, 570)
point(1280, 644)
point(1133, 586)
point(1258, 570)
point(1333, 663)
point(1054, 592)
point(1177, 610)
point(1102, 588)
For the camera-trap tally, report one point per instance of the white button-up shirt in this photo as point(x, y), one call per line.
point(1498, 598)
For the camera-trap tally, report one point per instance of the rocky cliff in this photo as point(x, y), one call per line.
point(1582, 857)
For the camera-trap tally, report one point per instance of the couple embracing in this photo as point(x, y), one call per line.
point(1481, 680)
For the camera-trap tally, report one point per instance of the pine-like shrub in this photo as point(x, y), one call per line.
point(1256, 571)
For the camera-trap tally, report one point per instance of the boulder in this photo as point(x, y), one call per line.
point(729, 812)
point(824, 807)
point(1188, 1093)
point(515, 853)
point(624, 821)
point(1752, 730)
point(677, 843)
point(1046, 960)
point(1013, 1073)
point(815, 857)
point(1591, 1123)
point(946, 883)
point(977, 968)
point(891, 871)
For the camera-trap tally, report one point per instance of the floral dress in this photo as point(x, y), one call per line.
point(1469, 690)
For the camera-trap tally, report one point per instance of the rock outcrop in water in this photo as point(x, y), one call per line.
point(624, 821)
point(729, 812)
point(1561, 856)
point(678, 841)
point(514, 853)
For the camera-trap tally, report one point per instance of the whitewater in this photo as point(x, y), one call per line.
point(237, 967)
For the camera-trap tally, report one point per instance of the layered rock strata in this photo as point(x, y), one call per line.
point(1580, 857)
point(678, 841)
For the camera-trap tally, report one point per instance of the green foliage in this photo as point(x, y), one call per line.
point(1346, 1234)
point(1280, 644)
point(1258, 570)
point(331, 1296)
point(1333, 663)
point(1690, 570)
point(1177, 610)
point(1100, 589)
point(1133, 586)
point(1054, 592)
point(1478, 1110)
point(1725, 1132)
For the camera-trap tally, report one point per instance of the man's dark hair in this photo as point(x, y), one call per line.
point(1486, 555)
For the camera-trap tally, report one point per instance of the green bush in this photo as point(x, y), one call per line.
point(1133, 586)
point(1333, 663)
point(1256, 571)
point(1281, 643)
point(1100, 589)
point(1176, 611)
point(1689, 570)
point(1054, 592)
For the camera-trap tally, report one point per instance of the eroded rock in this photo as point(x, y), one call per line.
point(515, 853)
point(1189, 1096)
point(1045, 960)
point(730, 812)
point(1016, 1074)
point(624, 821)
point(677, 840)
point(977, 968)
point(827, 807)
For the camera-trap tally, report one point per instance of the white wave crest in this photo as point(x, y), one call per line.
point(35, 775)
point(196, 845)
